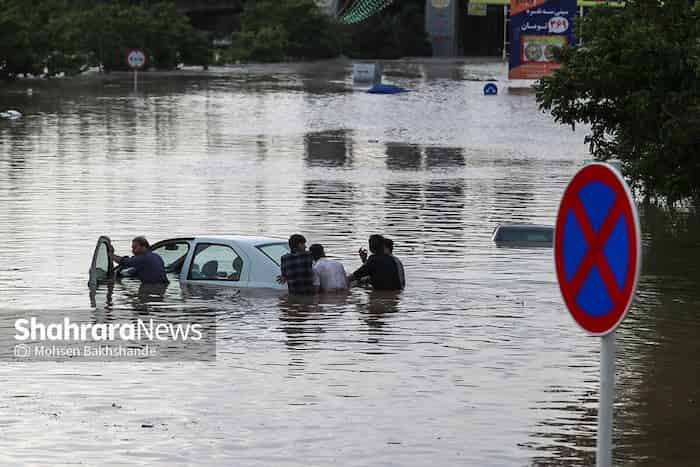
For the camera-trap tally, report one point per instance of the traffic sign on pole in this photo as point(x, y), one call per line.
point(598, 255)
point(597, 248)
point(136, 59)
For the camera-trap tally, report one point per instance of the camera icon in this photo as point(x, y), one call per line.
point(22, 351)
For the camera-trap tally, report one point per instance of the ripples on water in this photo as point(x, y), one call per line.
point(476, 363)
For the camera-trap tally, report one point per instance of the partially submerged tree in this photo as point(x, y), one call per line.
point(635, 80)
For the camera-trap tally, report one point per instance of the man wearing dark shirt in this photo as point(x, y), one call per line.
point(148, 266)
point(380, 267)
point(389, 250)
point(297, 267)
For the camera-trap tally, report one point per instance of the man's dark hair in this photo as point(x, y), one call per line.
point(389, 244)
point(316, 251)
point(376, 244)
point(141, 240)
point(296, 240)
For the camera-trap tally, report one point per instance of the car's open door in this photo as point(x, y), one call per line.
point(101, 268)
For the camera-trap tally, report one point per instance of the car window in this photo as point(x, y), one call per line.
point(102, 264)
point(101, 268)
point(173, 254)
point(214, 262)
point(275, 251)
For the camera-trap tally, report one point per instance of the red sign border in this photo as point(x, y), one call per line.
point(145, 59)
point(605, 324)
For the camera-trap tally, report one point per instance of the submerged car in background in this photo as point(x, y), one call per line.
point(523, 235)
point(220, 260)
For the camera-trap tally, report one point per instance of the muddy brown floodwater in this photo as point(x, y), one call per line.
point(477, 363)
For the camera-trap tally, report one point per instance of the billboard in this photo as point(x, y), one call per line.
point(538, 28)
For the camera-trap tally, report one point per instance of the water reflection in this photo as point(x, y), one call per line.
point(378, 312)
point(332, 148)
point(301, 322)
point(443, 215)
point(661, 402)
point(567, 437)
point(444, 157)
point(401, 156)
point(403, 202)
point(333, 202)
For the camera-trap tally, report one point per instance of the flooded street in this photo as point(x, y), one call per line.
point(476, 363)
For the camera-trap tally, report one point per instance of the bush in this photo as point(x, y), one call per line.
point(267, 44)
point(49, 37)
point(166, 36)
point(397, 31)
point(636, 81)
point(285, 29)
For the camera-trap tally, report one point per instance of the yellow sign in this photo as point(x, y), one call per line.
point(476, 9)
point(440, 3)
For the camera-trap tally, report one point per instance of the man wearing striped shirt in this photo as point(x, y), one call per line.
point(297, 267)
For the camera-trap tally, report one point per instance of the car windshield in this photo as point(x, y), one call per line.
point(274, 251)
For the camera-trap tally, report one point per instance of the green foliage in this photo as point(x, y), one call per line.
point(275, 30)
point(636, 81)
point(397, 31)
point(49, 37)
point(267, 44)
point(165, 35)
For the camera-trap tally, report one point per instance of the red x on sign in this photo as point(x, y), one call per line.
point(597, 248)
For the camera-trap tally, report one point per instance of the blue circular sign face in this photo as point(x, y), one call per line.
point(490, 89)
point(136, 59)
point(597, 248)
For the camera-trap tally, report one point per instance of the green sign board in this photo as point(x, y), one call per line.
point(476, 9)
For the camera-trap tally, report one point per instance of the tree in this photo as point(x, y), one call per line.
point(397, 31)
point(285, 29)
point(50, 37)
point(636, 81)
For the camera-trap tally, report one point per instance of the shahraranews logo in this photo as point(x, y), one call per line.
point(33, 329)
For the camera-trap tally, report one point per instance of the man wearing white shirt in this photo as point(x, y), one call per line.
point(329, 275)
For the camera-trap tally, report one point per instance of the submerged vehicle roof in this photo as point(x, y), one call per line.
point(523, 233)
point(524, 226)
point(247, 239)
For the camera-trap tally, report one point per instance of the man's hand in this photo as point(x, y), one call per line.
point(363, 254)
point(281, 279)
point(115, 258)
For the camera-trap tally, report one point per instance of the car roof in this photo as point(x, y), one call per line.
point(524, 226)
point(241, 239)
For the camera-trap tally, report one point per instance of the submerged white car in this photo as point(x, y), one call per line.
point(222, 260)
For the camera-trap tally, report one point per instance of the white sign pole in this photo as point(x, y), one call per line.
point(605, 412)
point(136, 78)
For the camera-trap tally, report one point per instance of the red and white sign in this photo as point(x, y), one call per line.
point(558, 25)
point(136, 59)
point(597, 248)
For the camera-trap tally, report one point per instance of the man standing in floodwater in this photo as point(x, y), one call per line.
point(329, 274)
point(381, 268)
point(149, 267)
point(297, 267)
point(389, 250)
